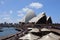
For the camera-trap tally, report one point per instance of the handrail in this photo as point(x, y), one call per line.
point(12, 36)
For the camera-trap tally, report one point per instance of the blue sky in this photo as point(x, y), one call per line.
point(12, 11)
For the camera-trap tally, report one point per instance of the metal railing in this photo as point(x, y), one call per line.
point(13, 37)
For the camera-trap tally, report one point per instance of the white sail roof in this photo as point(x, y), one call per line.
point(35, 19)
point(49, 20)
point(41, 14)
point(48, 17)
point(34, 30)
point(29, 36)
point(30, 14)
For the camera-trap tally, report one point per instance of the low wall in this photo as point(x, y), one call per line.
point(12, 37)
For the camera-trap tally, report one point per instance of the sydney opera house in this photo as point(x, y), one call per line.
point(41, 18)
point(39, 32)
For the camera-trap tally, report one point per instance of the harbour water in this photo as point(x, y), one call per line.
point(8, 31)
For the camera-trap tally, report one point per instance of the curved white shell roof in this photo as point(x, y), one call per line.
point(30, 14)
point(35, 19)
point(48, 18)
point(31, 17)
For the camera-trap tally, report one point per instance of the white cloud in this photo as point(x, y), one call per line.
point(25, 9)
point(6, 13)
point(6, 18)
point(18, 20)
point(22, 12)
point(36, 5)
point(29, 7)
point(19, 11)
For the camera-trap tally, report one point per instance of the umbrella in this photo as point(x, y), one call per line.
point(50, 36)
point(29, 36)
point(47, 37)
point(54, 35)
point(45, 29)
point(34, 30)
